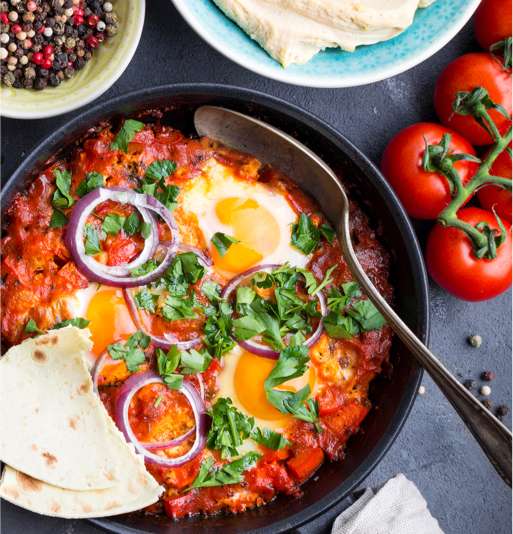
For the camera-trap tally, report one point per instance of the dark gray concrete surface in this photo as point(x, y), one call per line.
point(435, 450)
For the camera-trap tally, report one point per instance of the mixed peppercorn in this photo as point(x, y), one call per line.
point(44, 42)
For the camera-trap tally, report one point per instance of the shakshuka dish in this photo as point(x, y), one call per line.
point(220, 327)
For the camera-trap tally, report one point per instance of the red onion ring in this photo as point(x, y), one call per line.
point(169, 340)
point(263, 350)
point(119, 276)
point(95, 375)
point(204, 259)
point(130, 387)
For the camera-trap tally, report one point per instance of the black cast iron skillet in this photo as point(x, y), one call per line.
point(392, 394)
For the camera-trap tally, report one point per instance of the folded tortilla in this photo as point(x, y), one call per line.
point(137, 488)
point(65, 456)
point(53, 426)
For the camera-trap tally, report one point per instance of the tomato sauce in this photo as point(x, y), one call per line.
point(39, 280)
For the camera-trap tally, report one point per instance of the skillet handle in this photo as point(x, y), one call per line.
point(493, 437)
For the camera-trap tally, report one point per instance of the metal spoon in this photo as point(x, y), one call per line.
point(273, 147)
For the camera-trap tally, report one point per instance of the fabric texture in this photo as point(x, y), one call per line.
point(396, 507)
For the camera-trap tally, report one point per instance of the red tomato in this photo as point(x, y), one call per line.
point(492, 22)
point(463, 74)
point(493, 196)
point(451, 262)
point(423, 194)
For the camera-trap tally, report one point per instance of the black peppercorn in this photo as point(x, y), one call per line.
point(87, 12)
point(22, 7)
point(79, 64)
point(39, 84)
point(68, 4)
point(28, 83)
point(38, 26)
point(502, 410)
point(41, 73)
point(58, 28)
point(17, 73)
point(68, 30)
point(72, 57)
point(17, 84)
point(470, 384)
point(54, 80)
point(88, 55)
point(488, 404)
point(37, 39)
point(56, 65)
point(487, 376)
point(50, 22)
point(26, 26)
point(81, 30)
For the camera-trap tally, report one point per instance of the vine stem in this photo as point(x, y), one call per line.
point(481, 177)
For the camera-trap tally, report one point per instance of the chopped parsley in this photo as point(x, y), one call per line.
point(273, 321)
point(132, 351)
point(146, 301)
point(92, 243)
point(223, 242)
point(61, 198)
point(112, 223)
point(32, 327)
point(144, 269)
point(348, 318)
point(126, 134)
point(229, 428)
point(190, 363)
point(91, 181)
point(161, 169)
point(167, 194)
point(58, 218)
point(176, 308)
point(305, 235)
point(79, 322)
point(269, 438)
point(292, 364)
point(229, 474)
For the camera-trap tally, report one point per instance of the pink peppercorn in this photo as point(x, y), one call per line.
point(31, 6)
point(91, 42)
point(79, 12)
point(92, 20)
point(5, 18)
point(43, 28)
point(69, 64)
point(16, 28)
point(47, 64)
point(37, 58)
point(47, 51)
point(78, 20)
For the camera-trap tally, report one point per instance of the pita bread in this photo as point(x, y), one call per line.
point(53, 426)
point(136, 490)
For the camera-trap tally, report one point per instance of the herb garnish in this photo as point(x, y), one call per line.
point(79, 322)
point(91, 181)
point(126, 134)
point(92, 244)
point(269, 438)
point(131, 352)
point(191, 362)
point(305, 235)
point(112, 223)
point(32, 327)
point(161, 169)
point(223, 242)
point(360, 316)
point(229, 474)
point(292, 364)
point(58, 218)
point(61, 197)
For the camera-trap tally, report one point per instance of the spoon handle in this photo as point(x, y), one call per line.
point(493, 437)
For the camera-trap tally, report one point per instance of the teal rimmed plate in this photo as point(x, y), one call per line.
point(432, 28)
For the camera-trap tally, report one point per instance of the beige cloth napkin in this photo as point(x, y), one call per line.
point(396, 507)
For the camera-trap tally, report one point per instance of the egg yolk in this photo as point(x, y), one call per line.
point(110, 319)
point(253, 226)
point(250, 375)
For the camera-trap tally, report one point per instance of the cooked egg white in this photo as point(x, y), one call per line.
point(242, 379)
point(251, 212)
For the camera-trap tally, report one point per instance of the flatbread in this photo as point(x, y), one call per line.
point(136, 490)
point(53, 426)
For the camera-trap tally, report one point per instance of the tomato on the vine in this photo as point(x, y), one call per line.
point(464, 74)
point(423, 194)
point(493, 196)
point(451, 262)
point(492, 22)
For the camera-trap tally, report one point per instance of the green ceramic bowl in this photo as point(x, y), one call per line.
point(108, 64)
